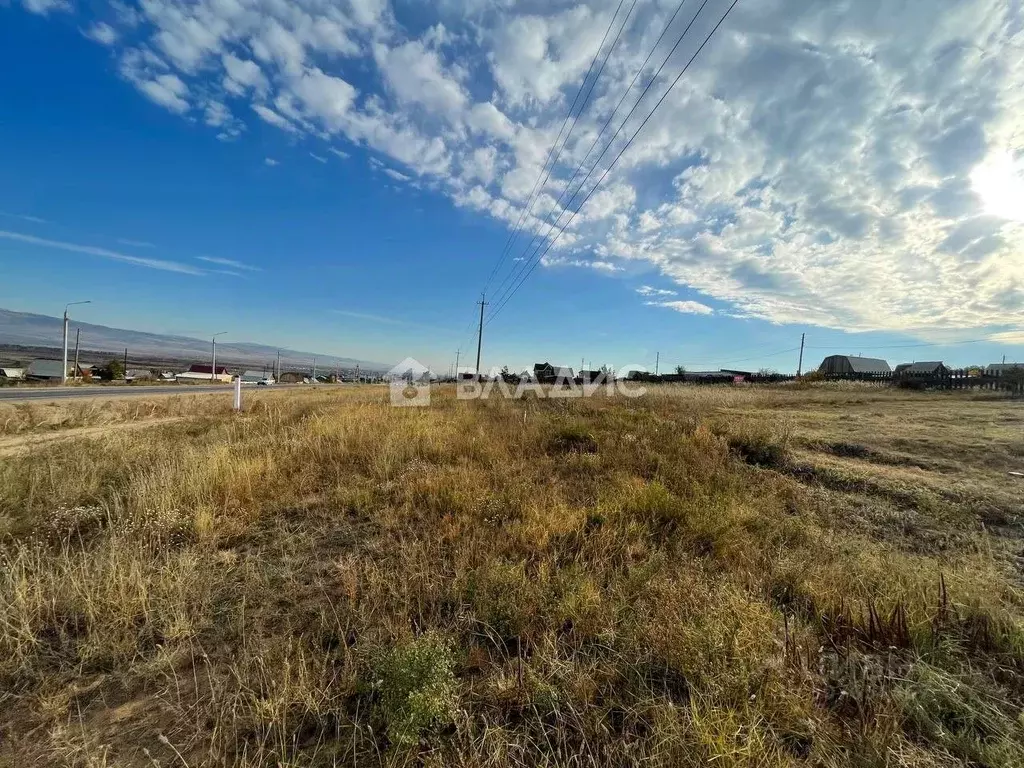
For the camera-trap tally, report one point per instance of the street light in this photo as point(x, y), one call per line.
point(64, 370)
point(213, 363)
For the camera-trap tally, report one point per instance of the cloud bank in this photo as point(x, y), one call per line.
point(856, 165)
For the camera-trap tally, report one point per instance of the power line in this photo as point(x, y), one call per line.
point(549, 164)
point(604, 128)
point(912, 346)
point(621, 152)
point(536, 258)
point(755, 357)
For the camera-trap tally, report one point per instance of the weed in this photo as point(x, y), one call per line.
point(417, 688)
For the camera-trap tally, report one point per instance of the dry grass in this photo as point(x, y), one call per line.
point(767, 577)
point(39, 417)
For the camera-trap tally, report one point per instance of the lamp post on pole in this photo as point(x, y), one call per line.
point(213, 361)
point(64, 371)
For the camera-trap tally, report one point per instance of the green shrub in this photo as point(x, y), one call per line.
point(417, 688)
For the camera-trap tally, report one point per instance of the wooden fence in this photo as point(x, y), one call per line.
point(1010, 382)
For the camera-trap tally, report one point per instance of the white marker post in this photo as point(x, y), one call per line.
point(238, 393)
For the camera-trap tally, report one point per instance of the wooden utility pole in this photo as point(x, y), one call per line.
point(78, 338)
point(125, 361)
point(480, 333)
point(800, 365)
point(657, 363)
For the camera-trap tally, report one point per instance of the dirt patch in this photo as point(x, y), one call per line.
point(11, 446)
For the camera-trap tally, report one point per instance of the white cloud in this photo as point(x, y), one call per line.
point(25, 217)
point(686, 307)
point(232, 263)
point(270, 161)
point(102, 33)
point(339, 153)
point(274, 44)
point(396, 175)
point(646, 290)
point(135, 243)
point(487, 118)
point(596, 264)
point(43, 7)
point(324, 97)
point(534, 57)
point(417, 76)
point(216, 114)
point(318, 158)
point(270, 116)
point(481, 165)
point(243, 74)
point(166, 90)
point(106, 253)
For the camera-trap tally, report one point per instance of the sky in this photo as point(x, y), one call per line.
point(347, 176)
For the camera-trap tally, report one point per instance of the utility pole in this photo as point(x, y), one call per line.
point(480, 334)
point(213, 361)
point(125, 361)
point(277, 368)
point(314, 370)
point(657, 363)
point(457, 353)
point(800, 365)
point(78, 338)
point(64, 373)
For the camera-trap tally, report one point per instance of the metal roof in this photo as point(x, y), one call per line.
point(556, 370)
point(12, 373)
point(860, 364)
point(926, 367)
point(868, 364)
point(46, 369)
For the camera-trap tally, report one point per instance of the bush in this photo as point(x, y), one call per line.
point(112, 371)
point(417, 687)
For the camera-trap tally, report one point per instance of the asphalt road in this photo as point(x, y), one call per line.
point(24, 394)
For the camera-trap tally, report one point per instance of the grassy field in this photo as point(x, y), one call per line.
point(826, 576)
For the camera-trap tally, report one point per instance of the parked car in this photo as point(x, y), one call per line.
point(264, 382)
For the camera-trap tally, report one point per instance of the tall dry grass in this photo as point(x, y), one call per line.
point(325, 580)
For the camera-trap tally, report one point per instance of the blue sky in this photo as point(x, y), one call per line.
point(342, 177)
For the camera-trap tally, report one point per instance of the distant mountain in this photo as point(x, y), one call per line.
point(29, 330)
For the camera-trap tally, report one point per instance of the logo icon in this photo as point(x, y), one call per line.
point(409, 384)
